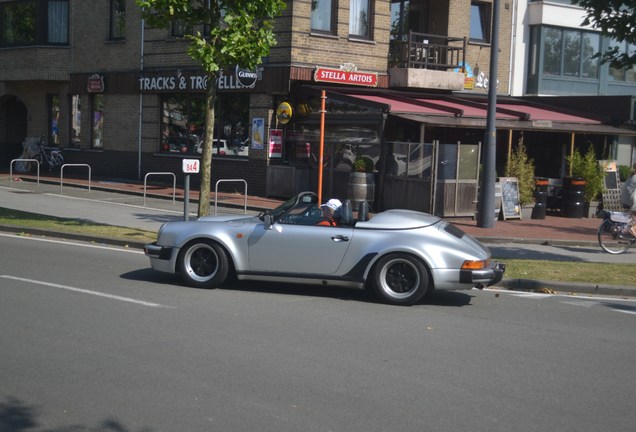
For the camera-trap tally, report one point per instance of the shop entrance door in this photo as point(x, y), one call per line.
point(456, 179)
point(13, 128)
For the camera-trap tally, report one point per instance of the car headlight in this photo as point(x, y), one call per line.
point(476, 265)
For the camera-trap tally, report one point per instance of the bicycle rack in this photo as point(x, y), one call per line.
point(174, 183)
point(22, 160)
point(216, 193)
point(75, 165)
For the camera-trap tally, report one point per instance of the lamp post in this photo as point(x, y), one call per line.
point(486, 198)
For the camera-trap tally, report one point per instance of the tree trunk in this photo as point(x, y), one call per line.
point(206, 155)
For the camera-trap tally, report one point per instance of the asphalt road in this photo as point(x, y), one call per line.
point(93, 340)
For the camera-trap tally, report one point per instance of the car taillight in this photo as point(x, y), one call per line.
point(221, 152)
point(476, 265)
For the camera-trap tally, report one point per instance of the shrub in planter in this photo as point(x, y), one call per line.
point(587, 167)
point(522, 167)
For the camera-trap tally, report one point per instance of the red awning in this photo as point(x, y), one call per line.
point(459, 112)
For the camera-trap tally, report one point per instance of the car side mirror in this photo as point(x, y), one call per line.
point(268, 221)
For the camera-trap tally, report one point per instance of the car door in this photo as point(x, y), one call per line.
point(298, 249)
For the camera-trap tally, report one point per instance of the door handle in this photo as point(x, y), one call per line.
point(340, 238)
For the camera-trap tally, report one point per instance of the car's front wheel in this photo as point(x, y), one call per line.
point(401, 279)
point(203, 264)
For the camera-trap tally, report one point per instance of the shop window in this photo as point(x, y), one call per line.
point(75, 120)
point(31, 22)
point(323, 16)
point(480, 22)
point(53, 103)
point(183, 125)
point(97, 117)
point(117, 19)
point(360, 18)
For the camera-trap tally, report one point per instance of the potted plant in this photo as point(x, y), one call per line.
point(361, 186)
point(588, 168)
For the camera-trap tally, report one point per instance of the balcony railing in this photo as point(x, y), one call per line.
point(428, 51)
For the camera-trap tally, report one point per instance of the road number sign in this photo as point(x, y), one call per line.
point(191, 166)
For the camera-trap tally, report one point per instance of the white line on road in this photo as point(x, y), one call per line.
point(85, 291)
point(68, 242)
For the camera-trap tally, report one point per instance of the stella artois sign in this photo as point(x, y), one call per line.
point(347, 74)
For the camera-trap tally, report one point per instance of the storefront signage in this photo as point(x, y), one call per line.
point(284, 113)
point(246, 78)
point(340, 76)
point(95, 84)
point(276, 143)
point(195, 81)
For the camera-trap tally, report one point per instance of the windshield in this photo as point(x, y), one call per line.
point(303, 198)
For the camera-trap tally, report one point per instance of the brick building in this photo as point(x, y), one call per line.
point(405, 83)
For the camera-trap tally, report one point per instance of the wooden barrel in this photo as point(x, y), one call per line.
point(361, 187)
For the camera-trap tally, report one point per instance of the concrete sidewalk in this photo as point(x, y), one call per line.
point(129, 204)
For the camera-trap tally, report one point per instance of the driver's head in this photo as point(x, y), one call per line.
point(330, 208)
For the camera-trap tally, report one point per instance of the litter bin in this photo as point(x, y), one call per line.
point(573, 197)
point(540, 198)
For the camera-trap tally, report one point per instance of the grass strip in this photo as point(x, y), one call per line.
point(27, 220)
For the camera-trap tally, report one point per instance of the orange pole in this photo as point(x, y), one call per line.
point(322, 145)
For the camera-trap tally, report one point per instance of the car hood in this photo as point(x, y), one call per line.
point(399, 219)
point(234, 218)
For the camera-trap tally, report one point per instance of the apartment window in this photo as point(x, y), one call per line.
point(57, 21)
point(117, 19)
point(623, 74)
point(323, 16)
point(570, 53)
point(359, 18)
point(480, 22)
point(179, 29)
point(590, 44)
point(31, 22)
point(54, 106)
point(97, 124)
point(75, 116)
point(552, 51)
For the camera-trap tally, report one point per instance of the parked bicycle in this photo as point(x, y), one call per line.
point(612, 235)
point(51, 156)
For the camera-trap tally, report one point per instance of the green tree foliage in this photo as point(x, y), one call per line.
point(617, 20)
point(223, 33)
point(522, 167)
point(588, 168)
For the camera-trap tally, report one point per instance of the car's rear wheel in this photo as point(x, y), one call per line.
point(401, 279)
point(203, 264)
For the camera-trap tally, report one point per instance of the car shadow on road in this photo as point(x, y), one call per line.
point(436, 298)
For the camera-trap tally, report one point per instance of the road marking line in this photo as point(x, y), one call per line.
point(85, 291)
point(71, 242)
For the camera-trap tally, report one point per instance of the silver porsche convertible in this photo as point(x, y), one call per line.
point(399, 254)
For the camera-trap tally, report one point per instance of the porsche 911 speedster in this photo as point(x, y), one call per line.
point(399, 254)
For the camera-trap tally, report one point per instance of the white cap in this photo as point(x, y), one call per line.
point(333, 204)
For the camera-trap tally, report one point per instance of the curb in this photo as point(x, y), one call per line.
point(549, 287)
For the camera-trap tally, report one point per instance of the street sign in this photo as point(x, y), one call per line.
point(191, 166)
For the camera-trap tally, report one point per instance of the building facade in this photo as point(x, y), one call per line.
point(405, 84)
